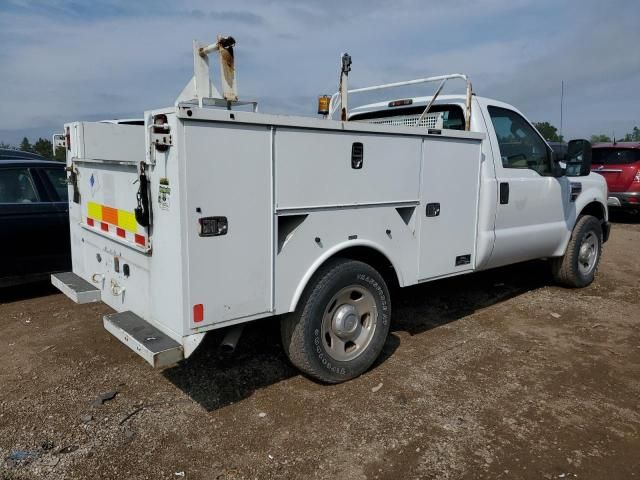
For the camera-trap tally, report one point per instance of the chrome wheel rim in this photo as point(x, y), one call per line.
point(588, 253)
point(349, 322)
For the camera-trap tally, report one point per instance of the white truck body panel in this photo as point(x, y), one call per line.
point(115, 184)
point(227, 172)
point(453, 232)
point(389, 176)
point(282, 183)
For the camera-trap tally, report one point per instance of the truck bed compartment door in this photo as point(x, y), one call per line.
point(448, 206)
point(229, 221)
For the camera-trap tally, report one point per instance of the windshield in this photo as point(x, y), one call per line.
point(615, 156)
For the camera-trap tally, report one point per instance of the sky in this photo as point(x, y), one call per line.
point(70, 60)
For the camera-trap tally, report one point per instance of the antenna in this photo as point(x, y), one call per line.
point(561, 105)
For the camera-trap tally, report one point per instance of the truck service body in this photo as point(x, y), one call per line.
point(210, 217)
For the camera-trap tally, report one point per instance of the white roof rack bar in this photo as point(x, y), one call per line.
point(336, 101)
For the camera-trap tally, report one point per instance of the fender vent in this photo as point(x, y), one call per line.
point(287, 225)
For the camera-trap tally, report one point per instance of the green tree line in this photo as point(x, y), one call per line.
point(550, 133)
point(633, 136)
point(41, 146)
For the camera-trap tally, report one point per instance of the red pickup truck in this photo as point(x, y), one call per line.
point(619, 164)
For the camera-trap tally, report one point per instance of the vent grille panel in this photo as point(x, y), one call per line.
point(430, 120)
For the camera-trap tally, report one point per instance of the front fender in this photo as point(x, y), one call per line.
point(594, 194)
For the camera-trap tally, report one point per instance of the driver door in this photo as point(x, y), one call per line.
point(533, 204)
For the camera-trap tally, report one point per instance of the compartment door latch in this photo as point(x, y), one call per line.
point(213, 226)
point(433, 209)
point(357, 155)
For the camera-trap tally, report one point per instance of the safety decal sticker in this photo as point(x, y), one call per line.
point(93, 184)
point(164, 194)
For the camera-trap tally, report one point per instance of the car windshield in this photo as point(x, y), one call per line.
point(615, 156)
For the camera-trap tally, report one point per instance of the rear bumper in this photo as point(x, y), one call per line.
point(76, 288)
point(624, 199)
point(157, 348)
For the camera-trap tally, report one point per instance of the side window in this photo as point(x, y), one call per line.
point(16, 186)
point(520, 145)
point(58, 179)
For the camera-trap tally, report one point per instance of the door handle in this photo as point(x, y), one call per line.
point(504, 193)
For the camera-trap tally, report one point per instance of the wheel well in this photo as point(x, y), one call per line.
point(374, 258)
point(595, 209)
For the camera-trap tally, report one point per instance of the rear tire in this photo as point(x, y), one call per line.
point(341, 323)
point(577, 268)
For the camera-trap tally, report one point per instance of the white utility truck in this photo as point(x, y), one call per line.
point(211, 214)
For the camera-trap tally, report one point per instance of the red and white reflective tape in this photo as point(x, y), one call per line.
point(134, 239)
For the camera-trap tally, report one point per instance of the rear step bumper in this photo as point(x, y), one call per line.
point(158, 349)
point(76, 288)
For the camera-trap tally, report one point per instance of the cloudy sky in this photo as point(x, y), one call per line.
point(66, 60)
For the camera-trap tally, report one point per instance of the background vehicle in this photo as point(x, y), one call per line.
point(34, 220)
point(619, 164)
point(209, 216)
point(11, 154)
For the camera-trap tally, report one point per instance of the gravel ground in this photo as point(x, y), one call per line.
point(498, 375)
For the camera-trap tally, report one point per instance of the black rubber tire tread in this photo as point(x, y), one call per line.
point(297, 328)
point(565, 269)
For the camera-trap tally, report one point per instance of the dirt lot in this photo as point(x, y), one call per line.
point(495, 375)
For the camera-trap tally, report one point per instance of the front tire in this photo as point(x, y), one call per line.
point(577, 268)
point(341, 323)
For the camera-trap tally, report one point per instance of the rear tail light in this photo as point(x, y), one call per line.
point(198, 312)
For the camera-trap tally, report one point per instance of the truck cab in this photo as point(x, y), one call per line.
point(528, 201)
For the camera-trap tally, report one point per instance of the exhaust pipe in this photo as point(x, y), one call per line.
point(231, 338)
